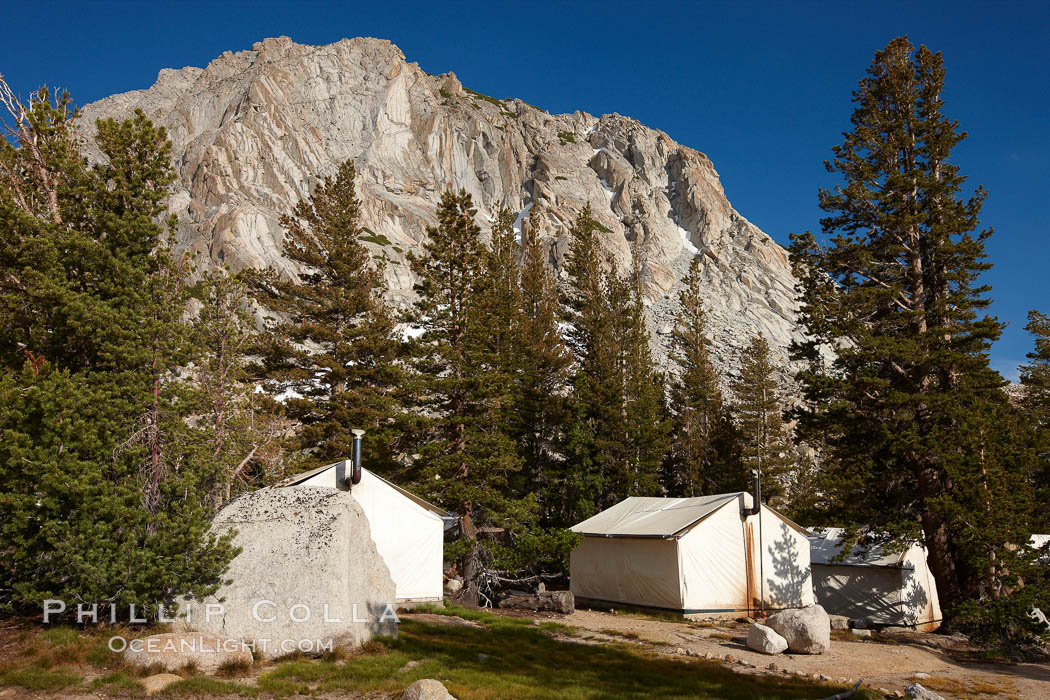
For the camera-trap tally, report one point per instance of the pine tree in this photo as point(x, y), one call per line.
point(104, 487)
point(647, 441)
point(704, 457)
point(466, 457)
point(332, 340)
point(1035, 404)
point(1035, 376)
point(245, 438)
point(757, 409)
point(538, 405)
point(616, 437)
point(898, 392)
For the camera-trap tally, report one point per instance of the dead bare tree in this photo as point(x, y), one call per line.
point(32, 131)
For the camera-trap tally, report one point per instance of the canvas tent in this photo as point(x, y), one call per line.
point(408, 531)
point(888, 589)
point(692, 555)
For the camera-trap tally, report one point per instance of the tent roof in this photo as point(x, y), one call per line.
point(826, 543)
point(639, 516)
point(300, 478)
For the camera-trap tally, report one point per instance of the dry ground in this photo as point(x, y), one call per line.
point(890, 664)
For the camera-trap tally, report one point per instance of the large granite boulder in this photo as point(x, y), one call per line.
point(807, 630)
point(765, 640)
point(308, 576)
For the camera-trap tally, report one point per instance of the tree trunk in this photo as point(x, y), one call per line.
point(938, 541)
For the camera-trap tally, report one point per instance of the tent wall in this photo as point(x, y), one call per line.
point(631, 570)
point(902, 596)
point(410, 538)
point(785, 566)
point(922, 607)
point(713, 564)
point(860, 591)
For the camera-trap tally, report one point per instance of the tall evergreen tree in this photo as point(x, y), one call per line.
point(333, 340)
point(1035, 403)
point(757, 409)
point(907, 407)
point(466, 457)
point(616, 438)
point(103, 486)
point(542, 361)
point(704, 458)
point(245, 438)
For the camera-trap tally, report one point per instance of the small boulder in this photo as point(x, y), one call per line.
point(453, 586)
point(765, 640)
point(807, 630)
point(862, 623)
point(174, 650)
point(839, 622)
point(427, 689)
point(863, 634)
point(916, 690)
point(158, 682)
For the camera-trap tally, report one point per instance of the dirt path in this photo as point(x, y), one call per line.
point(890, 666)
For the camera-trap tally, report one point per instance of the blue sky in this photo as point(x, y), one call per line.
point(762, 88)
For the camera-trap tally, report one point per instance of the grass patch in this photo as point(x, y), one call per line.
point(40, 678)
point(619, 633)
point(445, 93)
point(512, 115)
point(566, 137)
point(514, 658)
point(966, 688)
point(65, 646)
point(557, 628)
point(605, 229)
point(560, 177)
point(478, 95)
point(202, 685)
point(118, 683)
point(235, 669)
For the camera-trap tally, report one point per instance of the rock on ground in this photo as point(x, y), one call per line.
point(174, 650)
point(839, 622)
point(807, 630)
point(427, 689)
point(765, 640)
point(158, 682)
point(915, 690)
point(308, 574)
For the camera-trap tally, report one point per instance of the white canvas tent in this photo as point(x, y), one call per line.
point(696, 556)
point(888, 589)
point(408, 531)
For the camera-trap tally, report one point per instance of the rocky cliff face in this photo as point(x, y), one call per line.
point(254, 129)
